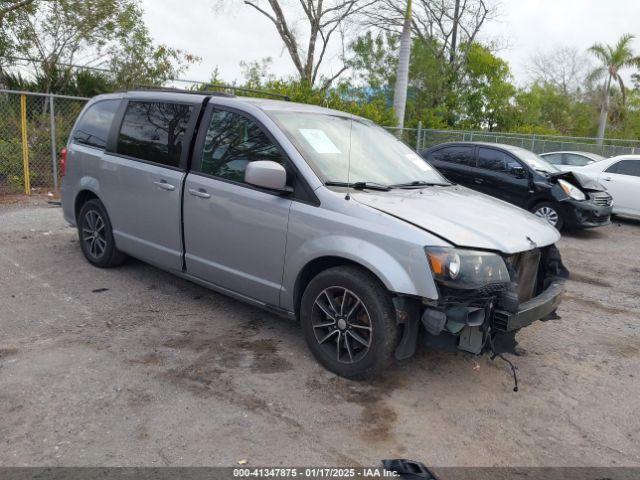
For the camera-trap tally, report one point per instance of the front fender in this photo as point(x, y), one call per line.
point(407, 275)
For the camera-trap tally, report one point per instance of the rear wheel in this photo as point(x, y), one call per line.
point(549, 212)
point(96, 236)
point(348, 321)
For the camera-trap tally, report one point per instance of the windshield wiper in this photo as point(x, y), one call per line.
point(360, 185)
point(419, 183)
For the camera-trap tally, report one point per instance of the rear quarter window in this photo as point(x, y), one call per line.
point(154, 131)
point(94, 125)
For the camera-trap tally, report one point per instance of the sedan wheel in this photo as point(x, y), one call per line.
point(549, 214)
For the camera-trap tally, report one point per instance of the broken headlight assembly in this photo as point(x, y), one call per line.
point(466, 269)
point(571, 190)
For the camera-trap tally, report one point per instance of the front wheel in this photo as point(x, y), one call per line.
point(549, 212)
point(348, 321)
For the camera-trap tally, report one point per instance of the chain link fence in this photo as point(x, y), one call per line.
point(421, 139)
point(33, 129)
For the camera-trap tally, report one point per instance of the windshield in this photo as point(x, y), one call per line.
point(376, 156)
point(536, 162)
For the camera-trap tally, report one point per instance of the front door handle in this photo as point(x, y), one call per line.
point(607, 179)
point(199, 193)
point(478, 180)
point(164, 185)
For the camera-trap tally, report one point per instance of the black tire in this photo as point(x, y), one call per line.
point(546, 209)
point(346, 353)
point(96, 236)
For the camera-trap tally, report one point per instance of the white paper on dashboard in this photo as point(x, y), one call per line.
point(419, 162)
point(319, 140)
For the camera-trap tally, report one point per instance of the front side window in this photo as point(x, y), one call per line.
point(154, 131)
point(462, 155)
point(93, 128)
point(231, 143)
point(497, 161)
point(345, 149)
point(626, 167)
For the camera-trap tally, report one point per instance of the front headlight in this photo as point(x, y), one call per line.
point(571, 190)
point(467, 269)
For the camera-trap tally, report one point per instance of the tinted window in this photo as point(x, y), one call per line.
point(576, 160)
point(462, 155)
point(232, 142)
point(490, 159)
point(626, 167)
point(154, 131)
point(93, 127)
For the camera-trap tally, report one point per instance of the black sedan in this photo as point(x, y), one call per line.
point(519, 176)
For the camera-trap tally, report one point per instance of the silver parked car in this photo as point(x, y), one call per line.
point(569, 161)
point(311, 213)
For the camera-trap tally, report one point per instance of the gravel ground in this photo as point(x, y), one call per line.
point(136, 367)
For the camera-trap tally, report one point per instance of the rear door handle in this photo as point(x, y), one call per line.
point(607, 179)
point(164, 185)
point(478, 180)
point(199, 193)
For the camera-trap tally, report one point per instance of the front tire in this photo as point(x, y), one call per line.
point(348, 321)
point(96, 236)
point(549, 212)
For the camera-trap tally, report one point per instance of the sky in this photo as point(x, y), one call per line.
point(224, 37)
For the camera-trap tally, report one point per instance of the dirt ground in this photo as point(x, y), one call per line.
point(135, 367)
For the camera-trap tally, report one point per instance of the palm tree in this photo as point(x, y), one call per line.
point(612, 60)
point(402, 77)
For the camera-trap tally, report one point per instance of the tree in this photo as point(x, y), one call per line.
point(486, 90)
point(563, 67)
point(449, 27)
point(612, 60)
point(325, 19)
point(57, 38)
point(402, 77)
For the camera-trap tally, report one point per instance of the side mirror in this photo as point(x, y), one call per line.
point(266, 174)
point(519, 172)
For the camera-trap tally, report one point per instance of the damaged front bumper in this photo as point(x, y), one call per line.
point(470, 320)
point(537, 308)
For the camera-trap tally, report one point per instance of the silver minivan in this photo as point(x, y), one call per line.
point(311, 213)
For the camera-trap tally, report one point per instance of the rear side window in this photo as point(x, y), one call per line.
point(554, 158)
point(93, 127)
point(626, 167)
point(154, 131)
point(232, 142)
point(495, 160)
point(576, 160)
point(462, 155)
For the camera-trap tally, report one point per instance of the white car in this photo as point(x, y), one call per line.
point(621, 177)
point(571, 161)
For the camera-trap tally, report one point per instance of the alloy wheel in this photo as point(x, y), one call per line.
point(341, 324)
point(93, 234)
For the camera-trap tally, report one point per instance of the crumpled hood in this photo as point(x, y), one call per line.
point(580, 180)
point(464, 217)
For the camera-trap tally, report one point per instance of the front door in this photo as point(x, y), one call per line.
point(502, 176)
point(622, 180)
point(234, 233)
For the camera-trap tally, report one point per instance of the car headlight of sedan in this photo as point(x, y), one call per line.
point(466, 269)
point(571, 190)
